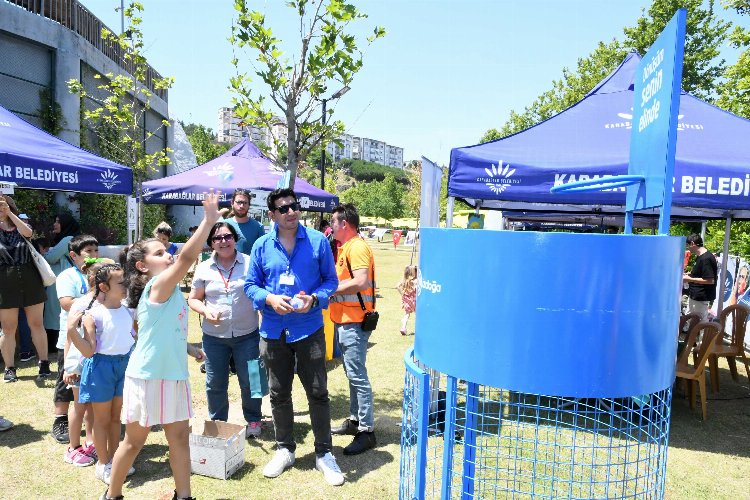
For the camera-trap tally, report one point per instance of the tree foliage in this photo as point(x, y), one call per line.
point(328, 58)
point(203, 141)
point(118, 116)
point(367, 171)
point(735, 91)
point(377, 199)
point(704, 35)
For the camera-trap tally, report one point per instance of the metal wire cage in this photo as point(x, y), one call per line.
point(462, 439)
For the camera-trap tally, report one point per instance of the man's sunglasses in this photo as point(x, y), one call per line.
point(222, 237)
point(285, 208)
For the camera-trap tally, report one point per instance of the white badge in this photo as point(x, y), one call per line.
point(224, 299)
point(286, 279)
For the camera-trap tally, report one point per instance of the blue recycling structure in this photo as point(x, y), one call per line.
point(543, 362)
point(542, 365)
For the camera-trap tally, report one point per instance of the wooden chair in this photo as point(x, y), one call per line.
point(696, 373)
point(687, 321)
point(735, 348)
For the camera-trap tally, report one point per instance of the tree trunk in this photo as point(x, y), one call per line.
point(291, 144)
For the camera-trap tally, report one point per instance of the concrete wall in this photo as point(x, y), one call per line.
point(70, 50)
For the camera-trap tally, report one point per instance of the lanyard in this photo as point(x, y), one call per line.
point(228, 278)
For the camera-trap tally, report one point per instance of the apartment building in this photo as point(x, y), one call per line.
point(364, 148)
point(232, 130)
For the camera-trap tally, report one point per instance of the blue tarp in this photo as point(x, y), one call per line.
point(592, 139)
point(34, 159)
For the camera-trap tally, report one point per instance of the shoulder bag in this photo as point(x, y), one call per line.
point(370, 322)
point(45, 271)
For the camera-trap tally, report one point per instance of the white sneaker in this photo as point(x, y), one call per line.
point(281, 460)
point(330, 469)
point(102, 472)
point(5, 424)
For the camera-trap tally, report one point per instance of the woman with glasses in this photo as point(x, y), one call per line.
point(229, 323)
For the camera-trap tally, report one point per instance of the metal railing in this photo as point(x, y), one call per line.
point(77, 18)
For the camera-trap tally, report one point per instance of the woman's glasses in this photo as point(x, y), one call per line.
point(223, 237)
point(285, 208)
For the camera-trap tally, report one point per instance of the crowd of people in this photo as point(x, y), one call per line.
point(122, 331)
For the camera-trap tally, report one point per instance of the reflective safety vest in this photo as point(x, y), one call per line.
point(346, 308)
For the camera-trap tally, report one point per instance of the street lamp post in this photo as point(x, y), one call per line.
point(338, 94)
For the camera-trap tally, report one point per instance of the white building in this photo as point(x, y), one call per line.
point(232, 130)
point(364, 148)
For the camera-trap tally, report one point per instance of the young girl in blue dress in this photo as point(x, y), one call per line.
point(157, 389)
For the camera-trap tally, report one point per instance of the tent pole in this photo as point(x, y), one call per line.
point(724, 260)
point(703, 230)
point(449, 213)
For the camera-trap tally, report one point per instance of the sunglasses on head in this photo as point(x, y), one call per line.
point(285, 208)
point(222, 237)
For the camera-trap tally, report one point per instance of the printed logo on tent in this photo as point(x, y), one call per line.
point(147, 193)
point(4, 124)
point(430, 286)
point(306, 202)
point(628, 122)
point(499, 177)
point(225, 172)
point(109, 179)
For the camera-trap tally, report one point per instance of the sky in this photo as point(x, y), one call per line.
point(445, 73)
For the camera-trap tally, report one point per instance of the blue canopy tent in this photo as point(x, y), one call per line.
point(31, 158)
point(243, 166)
point(591, 139)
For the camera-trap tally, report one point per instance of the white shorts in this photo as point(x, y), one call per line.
point(151, 402)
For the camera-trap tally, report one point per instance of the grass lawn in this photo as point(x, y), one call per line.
point(706, 459)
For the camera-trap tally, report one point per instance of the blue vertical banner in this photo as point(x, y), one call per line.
point(655, 107)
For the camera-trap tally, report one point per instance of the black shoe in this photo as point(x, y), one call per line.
point(175, 497)
point(203, 367)
point(362, 442)
point(25, 356)
point(10, 374)
point(105, 497)
point(44, 370)
point(60, 430)
point(348, 426)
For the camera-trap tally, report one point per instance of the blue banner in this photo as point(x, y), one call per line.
point(655, 109)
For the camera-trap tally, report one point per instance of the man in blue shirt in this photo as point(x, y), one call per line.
point(248, 228)
point(291, 276)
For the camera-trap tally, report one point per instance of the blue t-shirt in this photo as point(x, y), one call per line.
point(249, 232)
point(70, 283)
point(313, 270)
point(161, 349)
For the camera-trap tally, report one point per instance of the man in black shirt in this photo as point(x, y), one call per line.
point(702, 279)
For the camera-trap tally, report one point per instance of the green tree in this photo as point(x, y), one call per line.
point(704, 35)
point(565, 92)
point(117, 117)
point(701, 70)
point(734, 93)
point(377, 199)
point(204, 144)
point(328, 56)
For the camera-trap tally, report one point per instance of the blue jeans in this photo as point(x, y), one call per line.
point(353, 341)
point(218, 351)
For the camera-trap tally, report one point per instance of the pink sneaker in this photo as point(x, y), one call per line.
point(253, 430)
point(77, 457)
point(90, 450)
